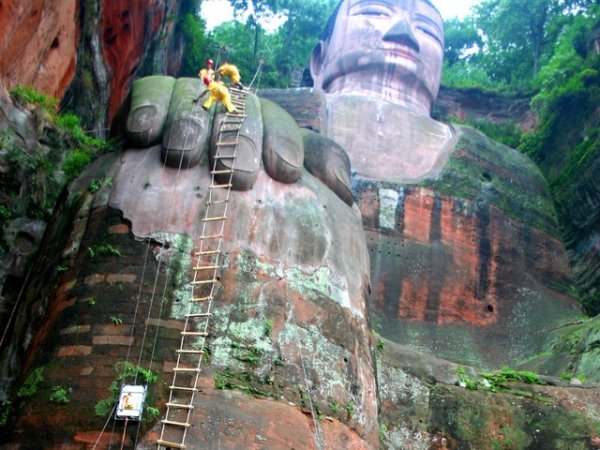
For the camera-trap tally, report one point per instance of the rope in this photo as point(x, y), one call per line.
point(138, 301)
point(124, 430)
point(258, 71)
point(12, 314)
point(104, 428)
point(317, 435)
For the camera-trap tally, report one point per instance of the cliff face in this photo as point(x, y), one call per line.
point(86, 53)
point(38, 44)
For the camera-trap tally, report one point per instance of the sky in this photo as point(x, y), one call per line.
point(218, 11)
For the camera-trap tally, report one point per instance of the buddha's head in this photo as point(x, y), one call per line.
point(389, 49)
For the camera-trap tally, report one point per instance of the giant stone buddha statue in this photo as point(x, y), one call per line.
point(447, 237)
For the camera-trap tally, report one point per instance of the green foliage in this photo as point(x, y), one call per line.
point(31, 384)
point(350, 409)
point(116, 320)
point(497, 381)
point(461, 40)
point(222, 381)
point(24, 94)
point(508, 375)
point(251, 355)
point(380, 345)
point(465, 380)
point(566, 376)
point(280, 54)
point(105, 406)
point(60, 395)
point(75, 162)
point(196, 49)
point(507, 133)
point(383, 429)
point(152, 412)
point(268, 327)
point(5, 412)
point(95, 186)
point(126, 370)
point(103, 250)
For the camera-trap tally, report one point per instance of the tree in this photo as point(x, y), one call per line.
point(300, 32)
point(257, 11)
point(196, 44)
point(519, 35)
point(462, 40)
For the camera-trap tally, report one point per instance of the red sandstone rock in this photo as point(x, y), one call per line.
point(38, 44)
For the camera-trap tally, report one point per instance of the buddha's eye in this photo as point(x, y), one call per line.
point(432, 34)
point(371, 11)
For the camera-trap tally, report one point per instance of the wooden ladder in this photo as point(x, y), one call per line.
point(191, 352)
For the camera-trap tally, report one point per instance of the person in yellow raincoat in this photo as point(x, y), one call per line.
point(207, 71)
point(232, 72)
point(218, 91)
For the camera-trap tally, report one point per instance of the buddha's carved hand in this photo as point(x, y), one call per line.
point(163, 110)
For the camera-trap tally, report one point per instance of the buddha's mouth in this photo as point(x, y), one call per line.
point(400, 53)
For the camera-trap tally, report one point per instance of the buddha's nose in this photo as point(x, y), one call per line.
point(401, 33)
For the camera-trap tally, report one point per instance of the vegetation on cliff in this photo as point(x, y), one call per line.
point(36, 173)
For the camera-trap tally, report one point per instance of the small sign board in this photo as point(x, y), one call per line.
point(131, 402)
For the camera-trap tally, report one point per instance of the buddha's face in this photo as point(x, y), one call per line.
point(391, 49)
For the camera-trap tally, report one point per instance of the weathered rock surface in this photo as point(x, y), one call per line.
point(38, 44)
point(291, 329)
point(465, 251)
point(475, 104)
point(86, 53)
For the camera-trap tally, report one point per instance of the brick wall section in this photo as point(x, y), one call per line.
point(94, 333)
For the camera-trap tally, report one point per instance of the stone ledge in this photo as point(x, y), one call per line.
point(112, 340)
point(119, 229)
point(120, 278)
point(74, 350)
point(76, 329)
point(170, 324)
point(94, 279)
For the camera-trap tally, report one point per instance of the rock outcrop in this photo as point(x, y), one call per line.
point(38, 44)
point(464, 259)
point(87, 53)
point(292, 330)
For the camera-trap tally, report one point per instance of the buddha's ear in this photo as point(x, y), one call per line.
point(316, 61)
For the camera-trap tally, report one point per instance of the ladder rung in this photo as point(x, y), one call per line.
point(170, 444)
point(207, 252)
point(226, 143)
point(181, 388)
point(224, 156)
point(212, 280)
point(176, 424)
point(211, 236)
point(214, 219)
point(206, 267)
point(221, 186)
point(201, 299)
point(185, 369)
point(219, 172)
point(194, 333)
point(189, 352)
point(196, 315)
point(179, 406)
point(217, 202)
